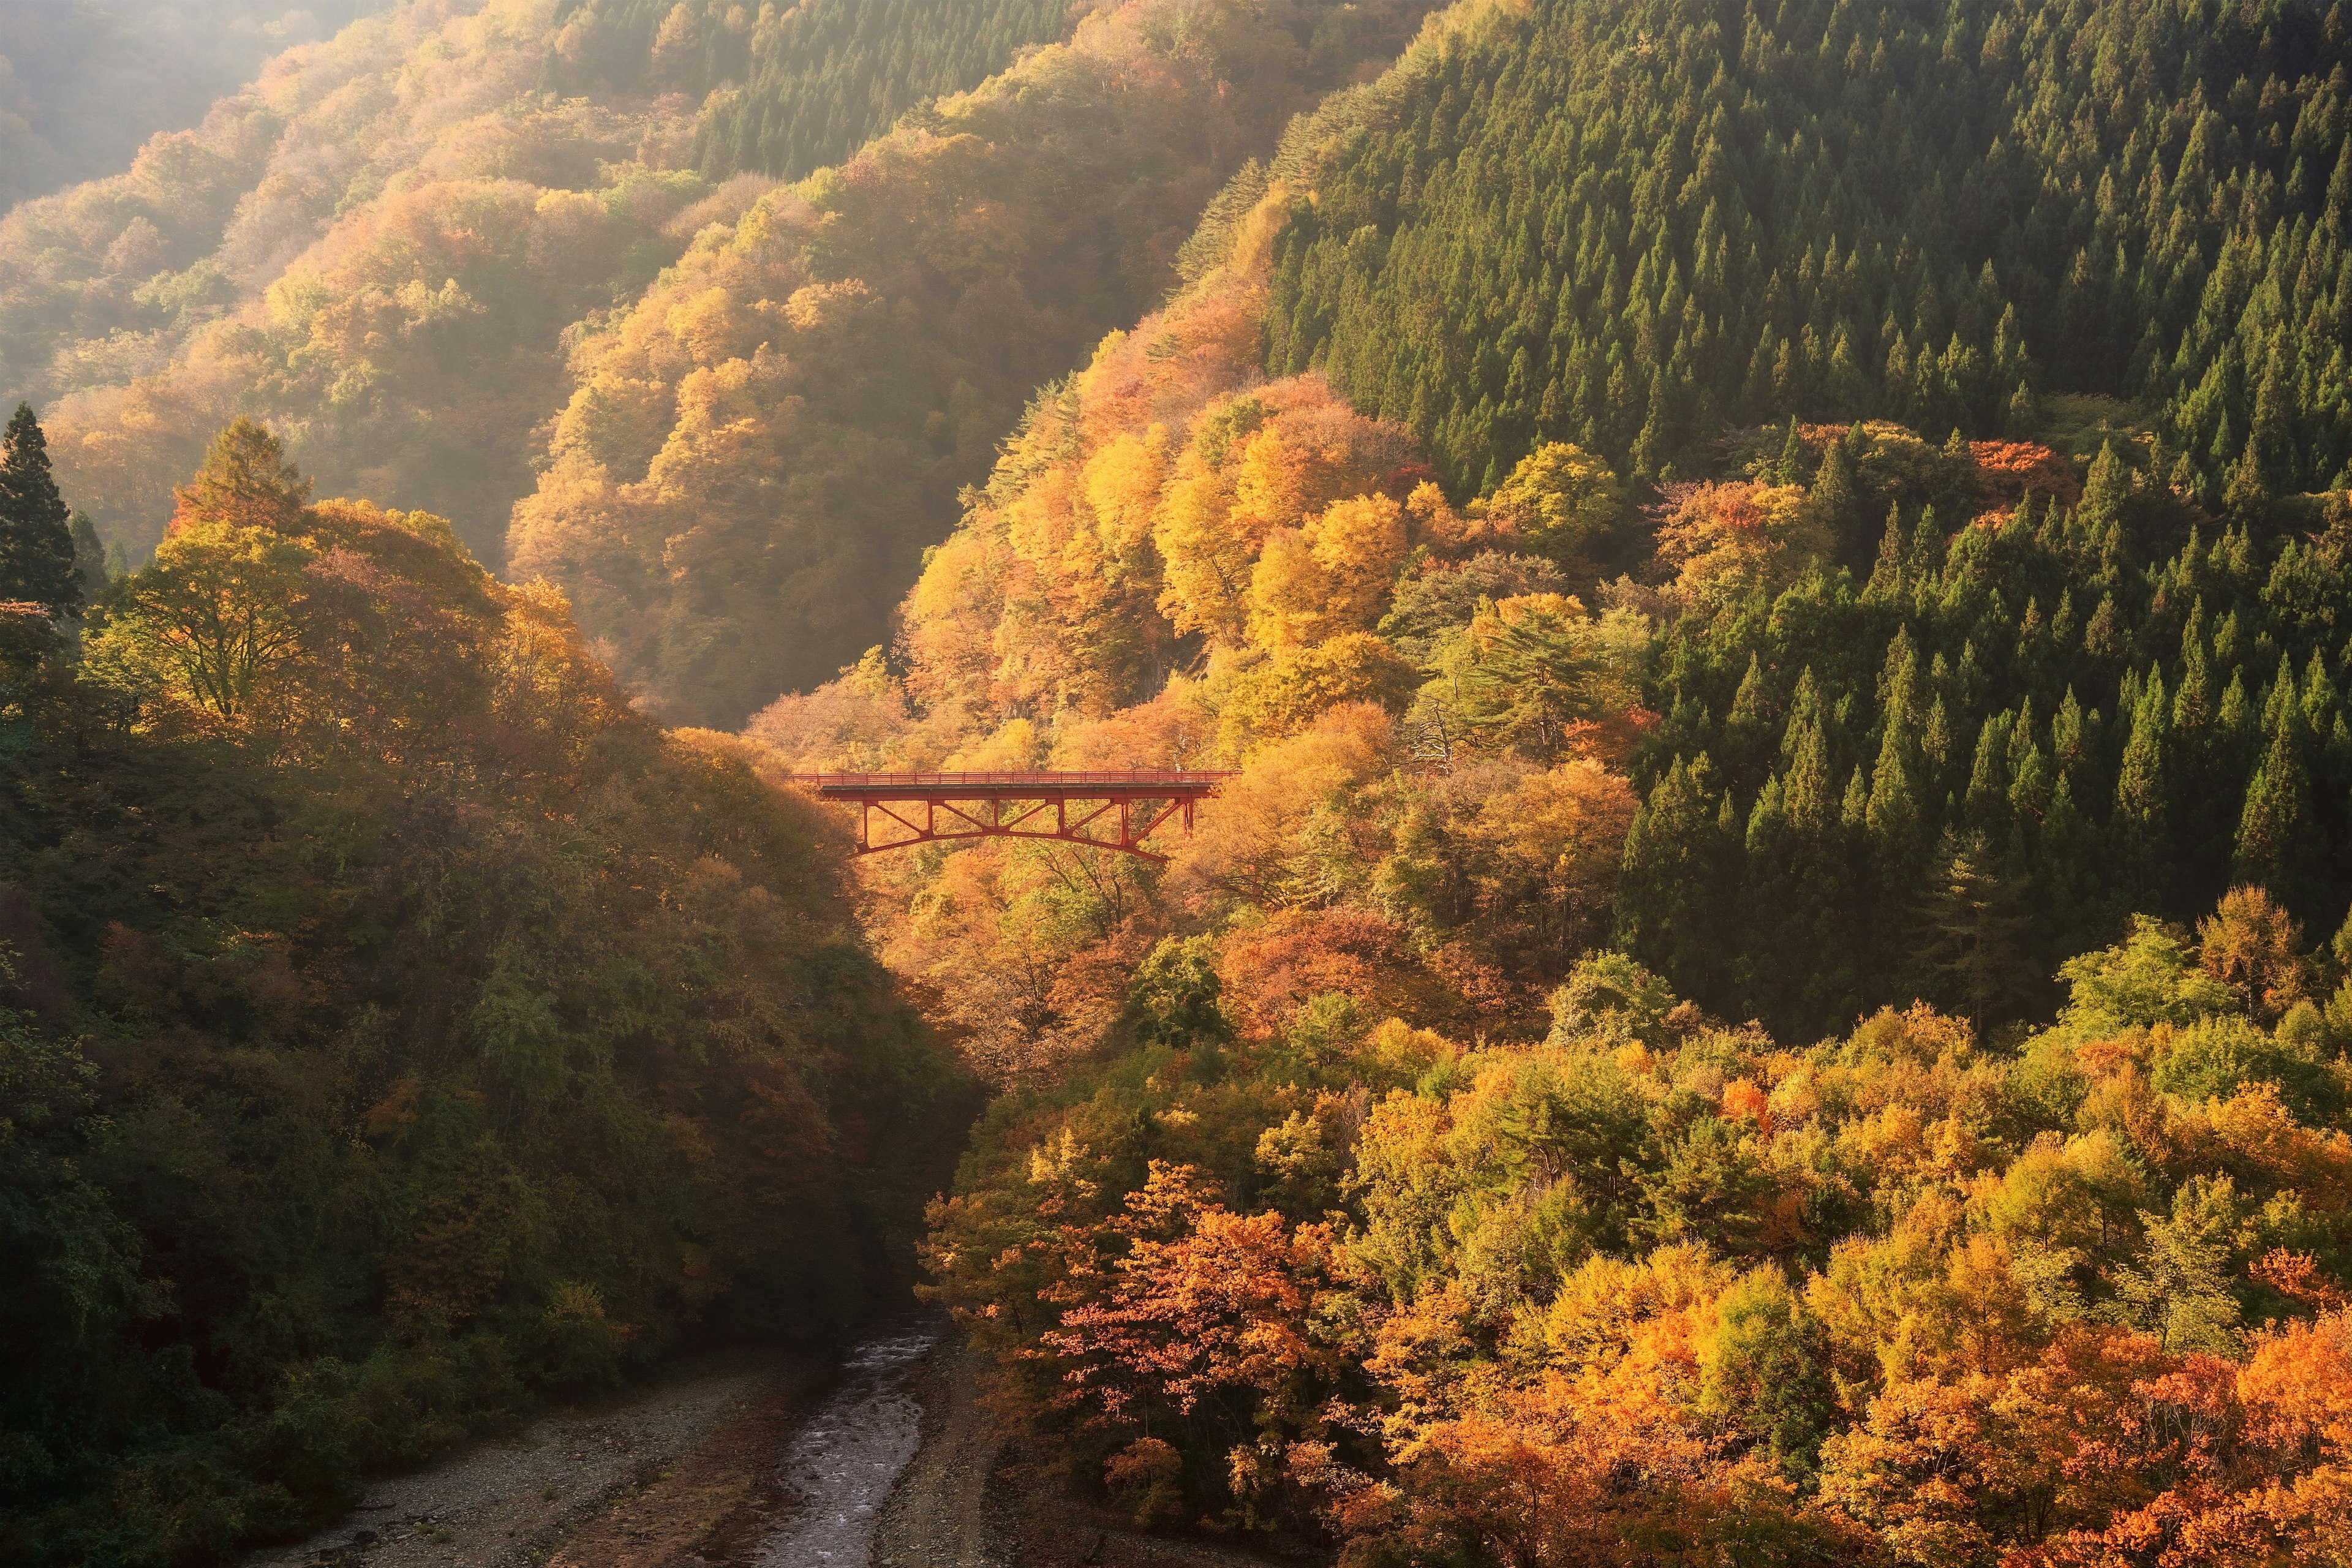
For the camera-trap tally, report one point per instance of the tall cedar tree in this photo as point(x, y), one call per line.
point(36, 544)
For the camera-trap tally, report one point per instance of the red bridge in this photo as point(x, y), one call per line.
point(1076, 808)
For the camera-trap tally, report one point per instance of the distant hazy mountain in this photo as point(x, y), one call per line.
point(84, 82)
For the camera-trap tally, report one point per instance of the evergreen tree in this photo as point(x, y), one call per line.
point(1987, 805)
point(2142, 802)
point(90, 557)
point(1886, 579)
point(1836, 499)
point(36, 544)
point(2273, 824)
point(1896, 809)
point(1974, 925)
point(1789, 468)
point(1670, 898)
point(1819, 957)
point(2247, 500)
point(2068, 896)
point(1748, 728)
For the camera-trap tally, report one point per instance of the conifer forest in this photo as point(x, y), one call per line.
point(1759, 593)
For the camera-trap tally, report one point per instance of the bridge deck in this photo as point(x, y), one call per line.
point(1101, 810)
point(1135, 784)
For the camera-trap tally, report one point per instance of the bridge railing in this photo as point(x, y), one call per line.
point(1050, 781)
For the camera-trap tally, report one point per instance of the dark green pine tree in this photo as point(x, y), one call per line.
point(2106, 493)
point(2204, 771)
point(1672, 889)
point(2143, 812)
point(1748, 728)
point(1887, 585)
point(1894, 823)
point(1763, 989)
point(1837, 501)
point(36, 545)
point(1799, 968)
point(2069, 899)
point(90, 557)
point(1973, 926)
point(1791, 469)
point(2273, 824)
point(1986, 807)
point(2248, 499)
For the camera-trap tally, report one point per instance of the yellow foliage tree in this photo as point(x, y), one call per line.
point(1289, 691)
point(1252, 843)
point(220, 608)
point(1560, 501)
point(1123, 488)
point(1332, 576)
point(211, 620)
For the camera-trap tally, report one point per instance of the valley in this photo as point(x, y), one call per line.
point(1749, 958)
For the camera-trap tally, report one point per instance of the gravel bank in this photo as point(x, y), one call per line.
point(509, 1503)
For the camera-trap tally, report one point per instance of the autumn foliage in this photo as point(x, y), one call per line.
point(1445, 1301)
point(396, 1030)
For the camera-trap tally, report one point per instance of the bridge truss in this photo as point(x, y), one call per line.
point(1101, 810)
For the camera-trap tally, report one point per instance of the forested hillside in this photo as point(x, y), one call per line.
point(409, 246)
point(1625, 225)
point(1773, 980)
point(84, 82)
point(379, 246)
point(756, 455)
point(393, 1028)
point(386, 243)
point(1765, 993)
point(1888, 680)
point(1970, 764)
point(809, 84)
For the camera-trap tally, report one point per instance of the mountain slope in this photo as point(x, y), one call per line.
point(84, 82)
point(394, 1030)
point(756, 455)
point(381, 242)
point(377, 247)
point(1888, 677)
point(1348, 1186)
point(808, 85)
point(1624, 226)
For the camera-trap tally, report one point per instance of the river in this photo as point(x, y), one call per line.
point(842, 1465)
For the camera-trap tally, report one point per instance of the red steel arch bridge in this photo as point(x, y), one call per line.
point(1102, 810)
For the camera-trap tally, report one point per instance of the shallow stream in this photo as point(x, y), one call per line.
point(844, 1461)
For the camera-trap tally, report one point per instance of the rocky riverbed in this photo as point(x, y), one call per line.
point(886, 1460)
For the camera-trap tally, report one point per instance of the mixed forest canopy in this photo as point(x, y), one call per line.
point(377, 245)
point(1752, 958)
point(460, 258)
point(1657, 1290)
point(394, 1029)
point(756, 455)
